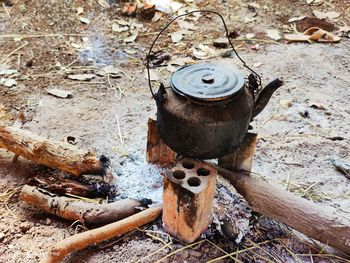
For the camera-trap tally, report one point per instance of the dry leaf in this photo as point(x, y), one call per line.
point(293, 19)
point(317, 105)
point(273, 34)
point(166, 6)
point(176, 36)
point(314, 2)
point(104, 3)
point(129, 8)
point(8, 82)
point(285, 103)
point(76, 45)
point(84, 20)
point(80, 10)
point(134, 25)
point(249, 35)
point(322, 15)
point(180, 61)
point(110, 69)
point(82, 76)
point(132, 37)
point(156, 17)
point(248, 20)
point(171, 68)
point(204, 52)
point(186, 25)
point(8, 71)
point(257, 64)
point(122, 22)
point(154, 76)
point(59, 93)
point(333, 15)
point(118, 28)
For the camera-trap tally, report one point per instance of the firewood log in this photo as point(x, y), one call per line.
point(320, 222)
point(88, 238)
point(54, 154)
point(74, 210)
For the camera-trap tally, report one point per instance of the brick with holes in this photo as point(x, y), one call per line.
point(187, 199)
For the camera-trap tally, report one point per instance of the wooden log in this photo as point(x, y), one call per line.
point(320, 222)
point(88, 238)
point(71, 209)
point(54, 154)
point(64, 186)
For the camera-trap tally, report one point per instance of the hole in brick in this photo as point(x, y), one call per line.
point(203, 172)
point(188, 165)
point(178, 174)
point(194, 181)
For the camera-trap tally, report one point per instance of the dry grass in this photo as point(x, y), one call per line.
point(276, 250)
point(307, 191)
point(6, 196)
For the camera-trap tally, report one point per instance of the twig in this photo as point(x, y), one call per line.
point(13, 52)
point(259, 247)
point(7, 12)
point(153, 253)
point(180, 249)
point(121, 137)
point(270, 117)
point(158, 238)
point(222, 250)
point(237, 252)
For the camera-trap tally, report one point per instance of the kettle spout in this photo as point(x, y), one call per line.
point(265, 96)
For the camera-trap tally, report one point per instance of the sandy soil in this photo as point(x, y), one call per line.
point(295, 130)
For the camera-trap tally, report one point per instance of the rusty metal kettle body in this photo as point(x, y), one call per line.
point(206, 111)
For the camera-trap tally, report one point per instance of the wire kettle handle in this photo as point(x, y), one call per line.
point(161, 32)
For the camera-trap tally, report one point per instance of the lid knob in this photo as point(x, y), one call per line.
point(208, 78)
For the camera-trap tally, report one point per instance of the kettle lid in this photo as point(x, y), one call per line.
point(207, 82)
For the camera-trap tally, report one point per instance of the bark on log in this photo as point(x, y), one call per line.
point(53, 154)
point(71, 209)
point(322, 223)
point(88, 238)
point(64, 186)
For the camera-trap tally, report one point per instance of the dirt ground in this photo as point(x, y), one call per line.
point(305, 125)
